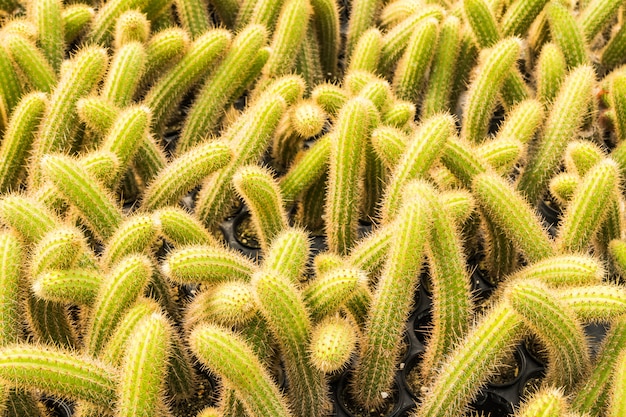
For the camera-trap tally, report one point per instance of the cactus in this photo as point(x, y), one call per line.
point(145, 364)
point(227, 354)
point(346, 154)
point(118, 292)
point(484, 88)
point(262, 196)
point(373, 145)
point(283, 308)
point(390, 305)
point(58, 372)
point(564, 120)
point(185, 172)
point(19, 138)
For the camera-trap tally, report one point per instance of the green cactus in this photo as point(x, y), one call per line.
point(18, 138)
point(283, 307)
point(566, 115)
point(390, 306)
point(121, 288)
point(59, 372)
point(144, 368)
point(232, 358)
point(346, 155)
point(261, 193)
point(553, 321)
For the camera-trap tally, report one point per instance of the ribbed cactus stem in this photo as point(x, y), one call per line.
point(581, 155)
point(59, 120)
point(59, 372)
point(18, 138)
point(392, 299)
point(185, 172)
point(423, 149)
point(10, 88)
point(617, 99)
point(194, 16)
point(249, 137)
point(613, 54)
point(371, 251)
point(327, 25)
point(519, 16)
point(121, 288)
point(181, 228)
point(126, 136)
point(329, 291)
point(75, 18)
point(567, 33)
point(306, 170)
point(548, 402)
point(220, 87)
point(228, 355)
point(513, 215)
point(588, 207)
point(564, 271)
point(125, 72)
point(484, 88)
point(47, 17)
point(229, 303)
point(522, 121)
point(501, 153)
point(144, 368)
point(366, 55)
point(452, 300)
point(346, 154)
point(596, 15)
point(470, 364)
point(332, 343)
point(594, 303)
point(261, 194)
point(399, 114)
point(415, 62)
point(68, 286)
point(30, 218)
point(592, 394)
point(31, 61)
point(396, 39)
point(134, 235)
point(288, 37)
point(360, 20)
point(282, 306)
point(164, 49)
point(57, 249)
point(11, 279)
point(555, 324)
point(439, 88)
point(103, 24)
point(195, 264)
point(131, 26)
point(617, 404)
point(113, 353)
point(84, 193)
point(550, 71)
point(289, 253)
point(482, 22)
point(167, 92)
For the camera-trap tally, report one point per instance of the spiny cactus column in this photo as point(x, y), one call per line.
point(346, 154)
point(468, 366)
point(231, 357)
point(283, 308)
point(392, 299)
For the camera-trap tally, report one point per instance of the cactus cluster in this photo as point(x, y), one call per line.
point(416, 139)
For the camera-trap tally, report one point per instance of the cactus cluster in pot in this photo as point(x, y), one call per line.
point(131, 129)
